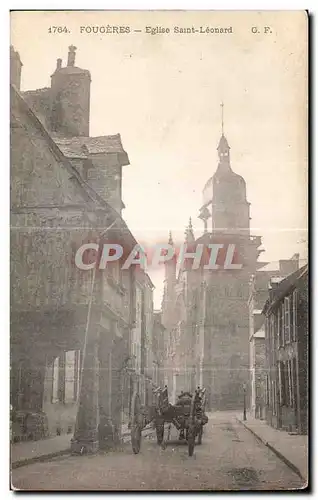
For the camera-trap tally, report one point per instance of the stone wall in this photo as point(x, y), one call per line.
point(226, 347)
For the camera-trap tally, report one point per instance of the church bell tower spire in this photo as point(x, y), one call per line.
point(223, 147)
point(222, 114)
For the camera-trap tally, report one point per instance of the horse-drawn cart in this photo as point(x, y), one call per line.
point(187, 415)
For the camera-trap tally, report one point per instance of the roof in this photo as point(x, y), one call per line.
point(72, 70)
point(284, 287)
point(22, 102)
point(270, 266)
point(260, 334)
point(81, 147)
point(223, 144)
point(36, 92)
point(276, 279)
point(144, 278)
point(274, 265)
point(92, 195)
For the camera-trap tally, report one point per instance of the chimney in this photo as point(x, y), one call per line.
point(71, 55)
point(15, 68)
point(70, 98)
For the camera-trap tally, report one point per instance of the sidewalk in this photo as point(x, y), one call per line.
point(292, 449)
point(29, 452)
point(32, 451)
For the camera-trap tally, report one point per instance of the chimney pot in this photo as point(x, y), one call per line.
point(71, 55)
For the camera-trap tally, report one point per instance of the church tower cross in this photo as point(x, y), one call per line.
point(222, 115)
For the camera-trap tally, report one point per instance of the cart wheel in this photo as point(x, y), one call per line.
point(136, 428)
point(160, 428)
point(191, 440)
point(200, 434)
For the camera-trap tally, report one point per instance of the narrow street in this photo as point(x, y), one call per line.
point(230, 458)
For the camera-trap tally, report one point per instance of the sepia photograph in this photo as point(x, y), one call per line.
point(159, 324)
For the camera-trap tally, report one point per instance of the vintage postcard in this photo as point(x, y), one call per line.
point(159, 270)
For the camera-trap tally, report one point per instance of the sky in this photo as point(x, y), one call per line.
point(162, 93)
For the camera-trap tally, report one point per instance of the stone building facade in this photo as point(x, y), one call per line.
point(287, 352)
point(77, 336)
point(259, 293)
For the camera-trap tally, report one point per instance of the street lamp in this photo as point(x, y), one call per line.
point(244, 393)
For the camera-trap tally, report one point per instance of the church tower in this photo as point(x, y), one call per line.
point(224, 316)
point(225, 193)
point(230, 208)
point(206, 310)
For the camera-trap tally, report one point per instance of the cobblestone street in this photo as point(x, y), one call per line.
point(230, 458)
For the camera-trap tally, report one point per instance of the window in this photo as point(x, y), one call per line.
point(287, 319)
point(267, 390)
point(291, 316)
point(294, 323)
point(267, 329)
point(283, 383)
point(276, 327)
point(294, 379)
point(272, 331)
point(72, 376)
point(290, 383)
point(136, 341)
point(280, 378)
point(280, 326)
point(287, 384)
point(274, 396)
point(66, 377)
point(283, 324)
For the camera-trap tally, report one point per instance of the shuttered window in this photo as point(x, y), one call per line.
point(71, 376)
point(295, 301)
point(55, 380)
point(287, 319)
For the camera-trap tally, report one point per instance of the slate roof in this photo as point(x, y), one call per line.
point(72, 70)
point(274, 265)
point(260, 334)
point(81, 147)
point(284, 287)
point(44, 90)
point(17, 99)
point(223, 144)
